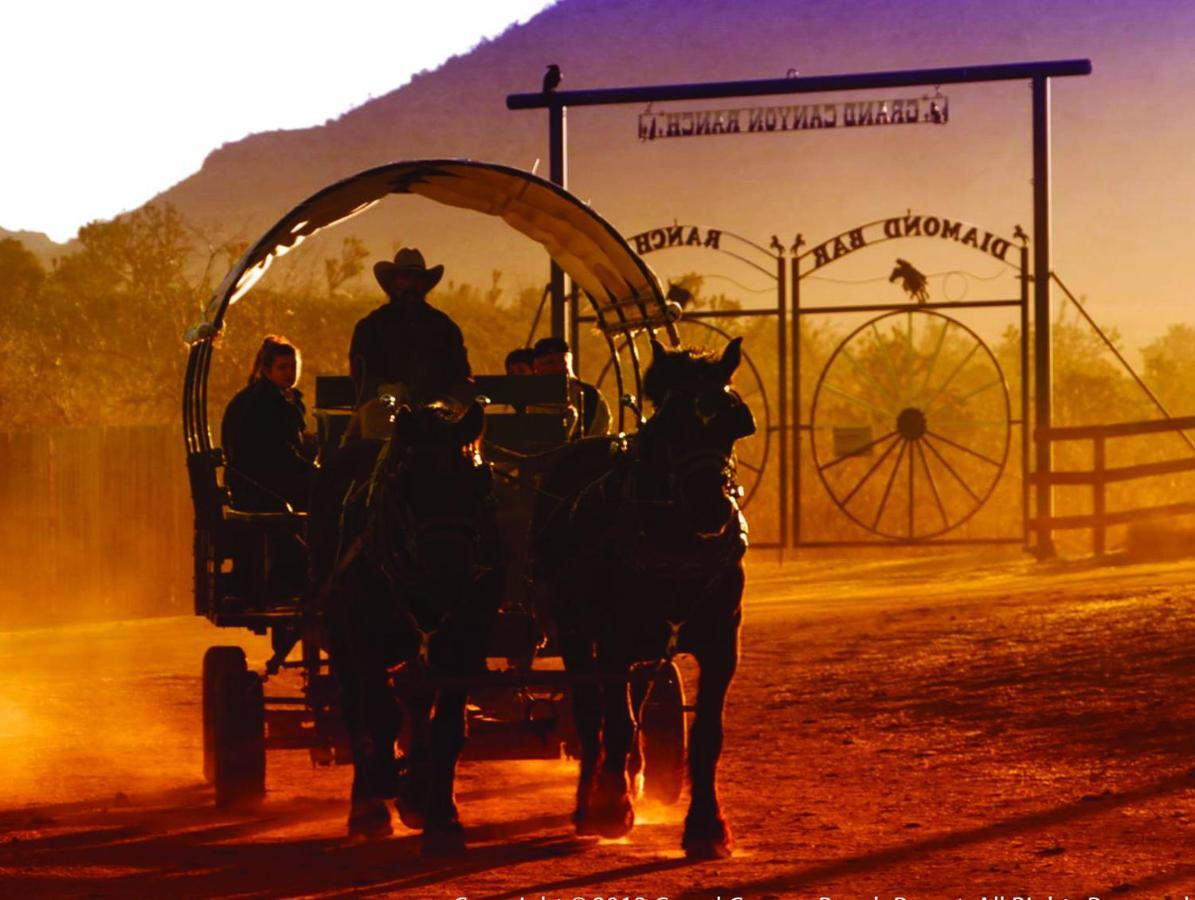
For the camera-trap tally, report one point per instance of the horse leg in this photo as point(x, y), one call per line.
point(638, 691)
point(410, 796)
point(577, 654)
point(610, 812)
point(707, 835)
point(368, 815)
point(442, 831)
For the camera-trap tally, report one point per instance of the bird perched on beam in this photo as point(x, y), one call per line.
point(552, 78)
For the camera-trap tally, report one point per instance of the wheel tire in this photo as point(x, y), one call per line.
point(663, 737)
point(217, 661)
point(239, 740)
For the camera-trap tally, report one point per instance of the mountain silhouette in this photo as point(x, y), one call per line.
point(977, 167)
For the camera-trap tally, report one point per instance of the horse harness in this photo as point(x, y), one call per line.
point(627, 532)
point(391, 541)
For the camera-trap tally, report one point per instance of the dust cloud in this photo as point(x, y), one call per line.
point(88, 712)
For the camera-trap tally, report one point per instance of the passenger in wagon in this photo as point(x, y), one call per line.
point(520, 361)
point(407, 342)
point(270, 454)
point(553, 356)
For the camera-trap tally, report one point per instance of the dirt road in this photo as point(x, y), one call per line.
point(930, 728)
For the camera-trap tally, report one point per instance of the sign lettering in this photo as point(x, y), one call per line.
point(764, 119)
point(907, 226)
point(677, 236)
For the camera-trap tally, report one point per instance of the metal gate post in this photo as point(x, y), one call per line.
point(795, 380)
point(1025, 415)
point(1042, 362)
point(781, 378)
point(558, 174)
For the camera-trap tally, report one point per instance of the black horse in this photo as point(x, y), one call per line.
point(404, 549)
point(641, 546)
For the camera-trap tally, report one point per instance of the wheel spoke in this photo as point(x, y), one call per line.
point(888, 487)
point(856, 452)
point(911, 527)
point(958, 446)
point(882, 350)
point(933, 485)
point(945, 384)
point(933, 360)
point(910, 352)
point(964, 420)
point(949, 468)
point(886, 413)
point(866, 377)
point(978, 390)
point(867, 475)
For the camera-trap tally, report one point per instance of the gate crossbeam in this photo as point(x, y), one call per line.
point(802, 85)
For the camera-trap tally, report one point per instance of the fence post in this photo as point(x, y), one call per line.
point(1098, 499)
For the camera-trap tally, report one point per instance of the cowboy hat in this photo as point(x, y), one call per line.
point(407, 261)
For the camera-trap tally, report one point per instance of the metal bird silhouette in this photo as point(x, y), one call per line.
point(552, 78)
point(913, 282)
point(1018, 233)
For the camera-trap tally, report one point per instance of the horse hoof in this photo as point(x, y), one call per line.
point(711, 842)
point(410, 811)
point(609, 813)
point(369, 819)
point(444, 840)
point(612, 822)
point(707, 849)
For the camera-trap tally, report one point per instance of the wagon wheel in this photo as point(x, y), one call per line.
point(910, 424)
point(662, 732)
point(750, 452)
point(217, 661)
point(234, 732)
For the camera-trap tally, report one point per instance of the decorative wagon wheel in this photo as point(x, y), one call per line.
point(750, 452)
point(910, 424)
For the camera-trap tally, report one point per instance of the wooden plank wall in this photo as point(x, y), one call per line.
point(96, 524)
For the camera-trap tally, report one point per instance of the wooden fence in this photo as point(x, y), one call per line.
point(97, 525)
point(1101, 475)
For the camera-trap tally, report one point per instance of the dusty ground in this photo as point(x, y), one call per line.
point(922, 728)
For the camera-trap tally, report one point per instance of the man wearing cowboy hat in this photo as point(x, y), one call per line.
point(408, 342)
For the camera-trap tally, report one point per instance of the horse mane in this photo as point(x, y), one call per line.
point(431, 425)
point(679, 368)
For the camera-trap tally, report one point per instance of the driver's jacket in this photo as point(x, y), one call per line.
point(412, 344)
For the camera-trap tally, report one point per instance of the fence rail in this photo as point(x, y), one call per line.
point(97, 525)
point(1101, 475)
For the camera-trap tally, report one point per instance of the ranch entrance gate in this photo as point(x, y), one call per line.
point(914, 433)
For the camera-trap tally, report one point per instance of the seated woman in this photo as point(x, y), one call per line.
point(270, 455)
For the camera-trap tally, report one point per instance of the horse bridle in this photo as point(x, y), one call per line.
point(464, 531)
point(682, 465)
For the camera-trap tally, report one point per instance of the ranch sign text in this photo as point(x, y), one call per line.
point(763, 119)
point(906, 226)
